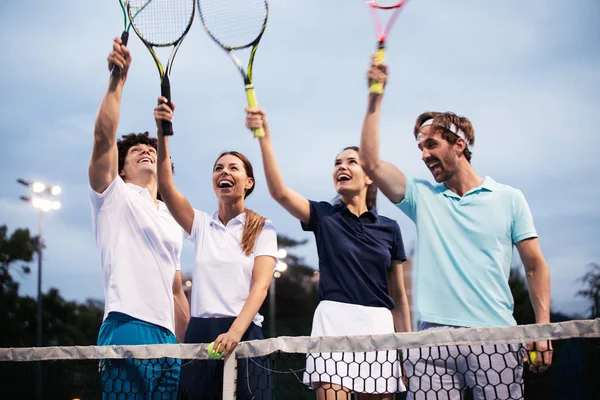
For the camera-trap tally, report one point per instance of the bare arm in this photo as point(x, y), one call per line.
point(293, 202)
point(538, 278)
point(401, 311)
point(182, 308)
point(262, 274)
point(104, 163)
point(176, 202)
point(386, 176)
point(538, 284)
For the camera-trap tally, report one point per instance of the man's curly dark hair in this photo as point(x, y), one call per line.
point(128, 141)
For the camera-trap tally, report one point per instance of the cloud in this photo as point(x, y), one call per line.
point(524, 73)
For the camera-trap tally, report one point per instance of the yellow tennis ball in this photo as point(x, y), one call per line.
point(532, 356)
point(214, 354)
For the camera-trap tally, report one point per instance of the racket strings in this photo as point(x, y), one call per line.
point(161, 22)
point(390, 8)
point(386, 3)
point(235, 24)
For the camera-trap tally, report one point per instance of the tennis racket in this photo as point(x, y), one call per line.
point(236, 25)
point(116, 71)
point(162, 23)
point(395, 6)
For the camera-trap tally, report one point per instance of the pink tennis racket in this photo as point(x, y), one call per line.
point(376, 6)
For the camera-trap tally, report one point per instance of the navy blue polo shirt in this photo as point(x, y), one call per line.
point(355, 253)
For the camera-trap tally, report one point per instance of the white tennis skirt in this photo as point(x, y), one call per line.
point(374, 372)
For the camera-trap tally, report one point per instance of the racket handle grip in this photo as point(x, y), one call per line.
point(125, 38)
point(377, 87)
point(165, 91)
point(252, 103)
point(116, 71)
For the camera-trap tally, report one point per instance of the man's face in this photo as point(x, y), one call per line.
point(438, 155)
point(140, 160)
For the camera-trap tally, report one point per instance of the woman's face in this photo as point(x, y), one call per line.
point(230, 180)
point(348, 176)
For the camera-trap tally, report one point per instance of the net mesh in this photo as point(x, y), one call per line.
point(161, 22)
point(492, 363)
point(234, 24)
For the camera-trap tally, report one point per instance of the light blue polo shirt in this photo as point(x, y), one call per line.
point(464, 250)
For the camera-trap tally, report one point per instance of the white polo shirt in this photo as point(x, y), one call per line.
point(140, 248)
point(222, 273)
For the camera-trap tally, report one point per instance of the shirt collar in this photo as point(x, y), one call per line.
point(238, 219)
point(488, 185)
point(139, 189)
point(135, 187)
point(343, 209)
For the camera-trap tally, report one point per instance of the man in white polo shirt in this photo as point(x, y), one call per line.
point(466, 228)
point(140, 246)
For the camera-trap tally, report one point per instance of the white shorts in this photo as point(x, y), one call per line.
point(367, 372)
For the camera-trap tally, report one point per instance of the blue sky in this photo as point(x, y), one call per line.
point(525, 73)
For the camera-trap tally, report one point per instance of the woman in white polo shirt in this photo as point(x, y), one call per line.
point(236, 252)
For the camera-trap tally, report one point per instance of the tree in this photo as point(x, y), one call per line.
point(592, 290)
point(64, 322)
point(16, 251)
point(19, 247)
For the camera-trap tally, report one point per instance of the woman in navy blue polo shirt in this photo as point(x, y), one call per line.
point(361, 286)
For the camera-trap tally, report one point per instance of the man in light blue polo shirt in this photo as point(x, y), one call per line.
point(466, 228)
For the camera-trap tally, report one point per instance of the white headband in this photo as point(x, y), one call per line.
point(452, 129)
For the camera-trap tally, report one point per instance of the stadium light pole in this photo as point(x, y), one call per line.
point(279, 268)
point(42, 198)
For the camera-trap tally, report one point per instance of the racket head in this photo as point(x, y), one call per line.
point(386, 4)
point(234, 24)
point(161, 23)
point(382, 32)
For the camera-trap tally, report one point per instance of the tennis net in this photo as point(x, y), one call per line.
point(470, 363)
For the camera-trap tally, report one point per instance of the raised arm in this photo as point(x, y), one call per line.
point(104, 163)
point(178, 205)
point(386, 176)
point(293, 202)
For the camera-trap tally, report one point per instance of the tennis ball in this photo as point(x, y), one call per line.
point(214, 354)
point(532, 356)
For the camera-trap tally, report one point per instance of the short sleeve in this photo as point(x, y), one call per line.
point(522, 221)
point(102, 200)
point(266, 244)
point(398, 252)
point(200, 221)
point(317, 211)
point(408, 205)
